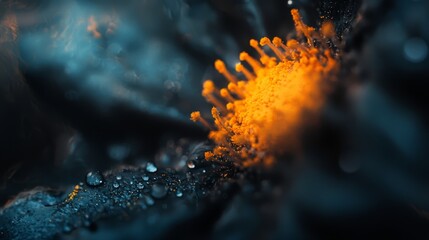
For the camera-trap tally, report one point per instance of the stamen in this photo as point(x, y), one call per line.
point(294, 44)
point(244, 56)
point(230, 106)
point(234, 89)
point(279, 43)
point(240, 68)
point(221, 68)
point(254, 44)
point(218, 119)
point(213, 100)
point(196, 117)
point(301, 28)
point(266, 41)
point(209, 89)
point(225, 94)
point(265, 59)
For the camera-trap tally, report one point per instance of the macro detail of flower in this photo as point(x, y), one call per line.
point(280, 91)
point(308, 119)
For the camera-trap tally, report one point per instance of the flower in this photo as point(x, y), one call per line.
point(258, 117)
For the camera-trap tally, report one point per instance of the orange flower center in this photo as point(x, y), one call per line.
point(258, 117)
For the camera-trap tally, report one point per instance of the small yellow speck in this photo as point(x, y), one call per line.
point(74, 193)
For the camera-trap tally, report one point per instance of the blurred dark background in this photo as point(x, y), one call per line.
point(72, 102)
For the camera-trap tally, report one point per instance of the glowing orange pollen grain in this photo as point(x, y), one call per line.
point(73, 194)
point(259, 118)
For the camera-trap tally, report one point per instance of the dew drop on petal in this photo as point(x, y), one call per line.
point(158, 191)
point(149, 200)
point(150, 167)
point(190, 164)
point(94, 179)
point(415, 50)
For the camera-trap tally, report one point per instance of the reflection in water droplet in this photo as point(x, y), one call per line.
point(150, 167)
point(115, 185)
point(191, 164)
point(94, 179)
point(179, 193)
point(119, 177)
point(158, 191)
point(140, 185)
point(145, 178)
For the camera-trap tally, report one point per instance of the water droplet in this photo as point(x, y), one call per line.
point(191, 164)
point(179, 193)
point(158, 191)
point(415, 50)
point(149, 200)
point(94, 179)
point(289, 2)
point(140, 185)
point(204, 171)
point(115, 185)
point(119, 177)
point(145, 178)
point(150, 167)
point(131, 182)
point(67, 229)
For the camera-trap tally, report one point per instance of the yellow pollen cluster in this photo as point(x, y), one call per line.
point(258, 118)
point(73, 194)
